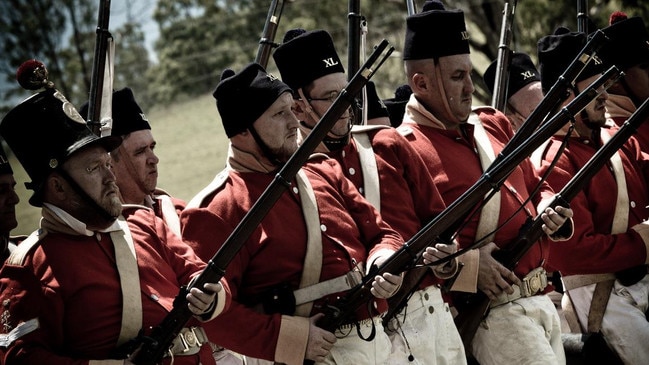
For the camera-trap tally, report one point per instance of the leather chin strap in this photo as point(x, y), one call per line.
point(272, 157)
point(82, 193)
point(332, 143)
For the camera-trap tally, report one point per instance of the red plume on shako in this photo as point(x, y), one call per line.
point(32, 75)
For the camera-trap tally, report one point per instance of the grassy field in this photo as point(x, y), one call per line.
point(191, 146)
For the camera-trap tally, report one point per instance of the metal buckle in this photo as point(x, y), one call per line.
point(534, 282)
point(188, 339)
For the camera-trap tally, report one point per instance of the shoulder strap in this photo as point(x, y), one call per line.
point(621, 215)
point(313, 258)
point(371, 183)
point(491, 210)
point(17, 257)
point(216, 184)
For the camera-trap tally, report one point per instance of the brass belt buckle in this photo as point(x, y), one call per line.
point(534, 282)
point(188, 340)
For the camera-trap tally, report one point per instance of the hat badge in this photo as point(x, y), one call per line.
point(465, 35)
point(271, 77)
point(330, 62)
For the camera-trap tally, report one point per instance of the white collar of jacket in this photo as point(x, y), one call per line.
point(56, 219)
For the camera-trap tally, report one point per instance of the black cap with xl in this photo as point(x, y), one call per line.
point(557, 51)
point(44, 130)
point(521, 73)
point(243, 97)
point(306, 57)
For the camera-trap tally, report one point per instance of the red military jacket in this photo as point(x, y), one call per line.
point(71, 284)
point(593, 249)
point(452, 159)
point(274, 254)
point(409, 199)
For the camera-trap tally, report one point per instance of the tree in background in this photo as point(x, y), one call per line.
point(200, 38)
point(61, 33)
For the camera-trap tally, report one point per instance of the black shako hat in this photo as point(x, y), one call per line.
point(556, 52)
point(629, 42)
point(397, 105)
point(435, 33)
point(521, 72)
point(243, 97)
point(127, 115)
point(375, 106)
point(43, 131)
point(306, 57)
point(5, 167)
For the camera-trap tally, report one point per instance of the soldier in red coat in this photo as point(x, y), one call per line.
point(457, 145)
point(93, 275)
point(628, 49)
point(310, 247)
point(8, 201)
point(606, 259)
point(135, 163)
point(390, 174)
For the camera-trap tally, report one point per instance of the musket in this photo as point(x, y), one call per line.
point(554, 97)
point(267, 40)
point(354, 19)
point(499, 97)
point(407, 256)
point(558, 92)
point(98, 68)
point(476, 306)
point(582, 16)
point(149, 349)
point(410, 4)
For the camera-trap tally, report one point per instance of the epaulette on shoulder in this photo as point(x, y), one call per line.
point(483, 108)
point(216, 184)
point(367, 128)
point(404, 130)
point(17, 257)
point(318, 157)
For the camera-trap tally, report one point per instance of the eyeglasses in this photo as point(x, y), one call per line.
point(330, 99)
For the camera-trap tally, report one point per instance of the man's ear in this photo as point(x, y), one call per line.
point(57, 187)
point(299, 109)
point(418, 83)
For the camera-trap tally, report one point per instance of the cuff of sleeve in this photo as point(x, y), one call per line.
point(217, 306)
point(643, 231)
point(467, 279)
point(292, 340)
point(564, 232)
point(376, 255)
point(448, 270)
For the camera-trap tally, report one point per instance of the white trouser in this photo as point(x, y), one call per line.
point(427, 331)
point(351, 349)
point(524, 332)
point(624, 325)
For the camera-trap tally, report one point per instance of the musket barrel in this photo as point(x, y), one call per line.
point(99, 63)
point(499, 97)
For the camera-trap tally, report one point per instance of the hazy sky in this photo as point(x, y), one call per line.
point(140, 11)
